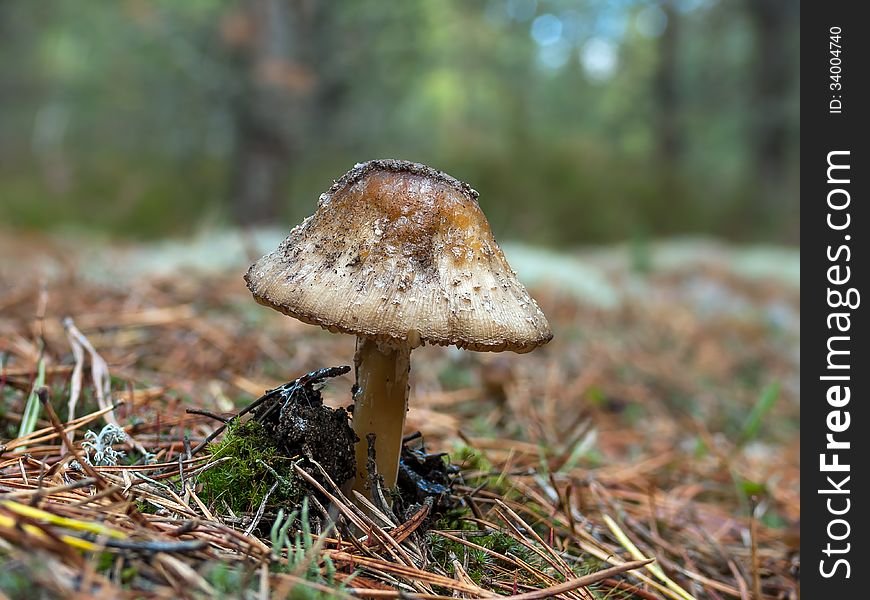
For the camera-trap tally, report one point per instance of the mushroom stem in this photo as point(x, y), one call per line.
point(380, 404)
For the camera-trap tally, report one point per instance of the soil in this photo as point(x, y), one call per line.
point(301, 425)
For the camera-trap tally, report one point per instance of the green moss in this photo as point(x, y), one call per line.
point(470, 459)
point(128, 574)
point(226, 580)
point(14, 583)
point(480, 564)
point(23, 578)
point(255, 465)
point(145, 507)
point(105, 561)
point(478, 470)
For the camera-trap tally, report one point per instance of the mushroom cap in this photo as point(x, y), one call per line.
point(399, 252)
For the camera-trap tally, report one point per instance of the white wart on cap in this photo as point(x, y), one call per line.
point(399, 252)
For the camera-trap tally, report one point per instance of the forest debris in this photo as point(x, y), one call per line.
point(671, 472)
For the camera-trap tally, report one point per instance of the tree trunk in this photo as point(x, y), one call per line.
point(772, 78)
point(270, 110)
point(669, 137)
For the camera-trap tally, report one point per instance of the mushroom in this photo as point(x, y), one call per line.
point(399, 255)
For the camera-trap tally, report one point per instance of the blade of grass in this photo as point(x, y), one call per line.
point(635, 552)
point(756, 416)
point(31, 409)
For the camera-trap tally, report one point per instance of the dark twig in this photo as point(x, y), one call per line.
point(205, 413)
point(181, 546)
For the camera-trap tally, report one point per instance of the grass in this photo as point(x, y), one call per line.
point(31, 409)
point(303, 554)
point(755, 418)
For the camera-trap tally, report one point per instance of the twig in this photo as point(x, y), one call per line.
point(260, 510)
point(584, 581)
point(753, 540)
point(209, 414)
point(156, 546)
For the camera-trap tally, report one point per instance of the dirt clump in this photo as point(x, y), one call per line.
point(301, 425)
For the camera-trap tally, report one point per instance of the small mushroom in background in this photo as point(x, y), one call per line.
point(399, 255)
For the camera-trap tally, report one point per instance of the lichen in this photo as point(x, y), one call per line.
point(97, 448)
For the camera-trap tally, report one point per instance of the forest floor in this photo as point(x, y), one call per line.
point(661, 422)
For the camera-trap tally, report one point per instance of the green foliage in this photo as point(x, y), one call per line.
point(232, 582)
point(756, 416)
point(596, 397)
point(14, 584)
point(303, 554)
point(127, 117)
point(21, 579)
point(243, 481)
point(751, 488)
point(145, 507)
point(303, 559)
point(470, 459)
point(479, 564)
point(224, 579)
point(32, 408)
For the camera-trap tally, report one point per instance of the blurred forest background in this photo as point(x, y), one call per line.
point(579, 121)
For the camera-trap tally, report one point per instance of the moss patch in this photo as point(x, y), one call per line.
point(477, 563)
point(255, 465)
